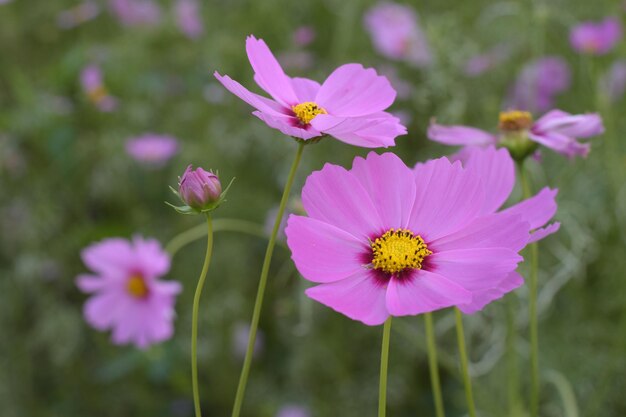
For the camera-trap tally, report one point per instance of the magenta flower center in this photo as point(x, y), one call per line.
point(397, 250)
point(305, 112)
point(136, 286)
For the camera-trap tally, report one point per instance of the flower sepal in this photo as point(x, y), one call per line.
point(518, 144)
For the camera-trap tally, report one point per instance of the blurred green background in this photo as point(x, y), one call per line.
point(66, 181)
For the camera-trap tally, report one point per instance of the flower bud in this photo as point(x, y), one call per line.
point(199, 189)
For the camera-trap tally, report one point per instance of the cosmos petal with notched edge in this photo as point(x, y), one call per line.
point(459, 135)
point(481, 298)
point(496, 170)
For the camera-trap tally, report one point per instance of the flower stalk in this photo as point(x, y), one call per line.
point(433, 365)
point(467, 381)
point(256, 315)
point(384, 362)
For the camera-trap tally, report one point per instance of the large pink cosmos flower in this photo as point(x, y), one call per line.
point(596, 38)
point(128, 296)
point(556, 130)
point(349, 105)
point(382, 239)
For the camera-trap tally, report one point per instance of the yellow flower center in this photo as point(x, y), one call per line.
point(136, 286)
point(397, 250)
point(97, 94)
point(305, 112)
point(515, 120)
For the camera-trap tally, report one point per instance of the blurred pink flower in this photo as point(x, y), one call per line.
point(303, 36)
point(556, 130)
point(349, 105)
point(77, 15)
point(496, 169)
point(293, 410)
point(189, 18)
point(596, 38)
point(136, 12)
point(538, 83)
point(482, 63)
point(613, 83)
point(93, 85)
point(382, 239)
point(152, 149)
point(128, 296)
point(396, 34)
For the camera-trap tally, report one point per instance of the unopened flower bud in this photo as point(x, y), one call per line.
point(199, 189)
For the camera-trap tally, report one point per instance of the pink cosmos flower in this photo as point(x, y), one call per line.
point(349, 105)
point(596, 38)
point(136, 12)
point(303, 36)
point(538, 84)
point(496, 169)
point(188, 18)
point(93, 85)
point(382, 239)
point(151, 149)
point(127, 295)
point(396, 33)
point(556, 130)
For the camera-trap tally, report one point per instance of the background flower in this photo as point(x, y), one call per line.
point(596, 38)
point(151, 149)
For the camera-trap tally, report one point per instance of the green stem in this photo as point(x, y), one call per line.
point(513, 377)
point(433, 365)
point(243, 379)
point(219, 225)
point(384, 361)
point(194, 317)
point(467, 381)
point(532, 311)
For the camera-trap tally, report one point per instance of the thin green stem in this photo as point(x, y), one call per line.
point(467, 381)
point(532, 310)
point(256, 315)
point(513, 370)
point(219, 225)
point(384, 361)
point(194, 317)
point(433, 365)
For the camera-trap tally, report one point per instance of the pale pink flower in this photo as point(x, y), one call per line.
point(189, 18)
point(396, 33)
point(136, 12)
point(538, 84)
point(303, 36)
point(128, 296)
point(93, 85)
point(596, 38)
point(348, 106)
point(151, 149)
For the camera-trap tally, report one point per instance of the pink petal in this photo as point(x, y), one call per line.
point(360, 297)
point(459, 135)
point(305, 89)
point(423, 292)
point(333, 195)
point(544, 232)
point(112, 257)
point(572, 125)
point(352, 91)
point(390, 184)
point(492, 231)
point(496, 170)
point(103, 310)
point(166, 288)
point(288, 125)
point(561, 143)
point(91, 283)
point(260, 103)
point(361, 131)
point(268, 73)
point(447, 198)
point(481, 298)
point(322, 252)
point(474, 269)
point(151, 258)
point(537, 210)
